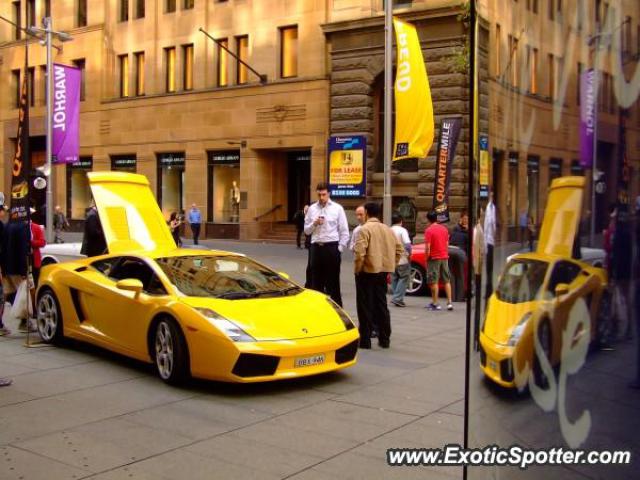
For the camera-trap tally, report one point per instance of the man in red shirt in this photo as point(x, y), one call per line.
point(436, 239)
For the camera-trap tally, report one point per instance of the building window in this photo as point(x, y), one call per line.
point(31, 13)
point(139, 56)
point(170, 69)
point(17, 19)
point(552, 75)
point(513, 60)
point(78, 190)
point(31, 76)
point(533, 71)
point(555, 168)
point(81, 64)
point(170, 192)
point(288, 52)
point(123, 61)
point(222, 62)
point(170, 6)
point(47, 8)
point(512, 197)
point(188, 4)
point(223, 175)
point(497, 50)
point(242, 51)
point(578, 89)
point(15, 87)
point(576, 168)
point(187, 62)
point(124, 163)
point(559, 9)
point(81, 13)
point(551, 10)
point(124, 10)
point(140, 10)
point(533, 184)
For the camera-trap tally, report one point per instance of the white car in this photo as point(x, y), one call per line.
point(60, 252)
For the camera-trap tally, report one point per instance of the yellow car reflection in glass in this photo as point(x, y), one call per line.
point(207, 314)
point(537, 290)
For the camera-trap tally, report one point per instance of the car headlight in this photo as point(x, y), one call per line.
point(516, 333)
point(348, 323)
point(229, 328)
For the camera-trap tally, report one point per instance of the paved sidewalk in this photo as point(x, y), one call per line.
point(80, 412)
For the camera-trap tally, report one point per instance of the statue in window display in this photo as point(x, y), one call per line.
point(235, 202)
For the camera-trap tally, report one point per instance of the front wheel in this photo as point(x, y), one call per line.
point(49, 317)
point(417, 284)
point(170, 353)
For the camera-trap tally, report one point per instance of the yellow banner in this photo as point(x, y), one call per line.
point(414, 110)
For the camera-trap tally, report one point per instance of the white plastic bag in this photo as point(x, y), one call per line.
point(21, 307)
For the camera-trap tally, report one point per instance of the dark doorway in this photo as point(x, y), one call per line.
point(299, 178)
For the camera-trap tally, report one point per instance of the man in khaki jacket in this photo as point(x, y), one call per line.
point(377, 252)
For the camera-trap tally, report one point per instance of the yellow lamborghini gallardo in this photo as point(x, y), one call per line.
point(208, 314)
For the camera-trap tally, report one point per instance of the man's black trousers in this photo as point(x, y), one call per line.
point(325, 269)
point(195, 229)
point(372, 306)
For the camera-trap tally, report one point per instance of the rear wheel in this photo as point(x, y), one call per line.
point(49, 317)
point(170, 353)
point(417, 284)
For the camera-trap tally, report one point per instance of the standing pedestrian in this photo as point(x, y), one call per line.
point(531, 232)
point(477, 257)
point(460, 233)
point(436, 239)
point(298, 220)
point(523, 223)
point(15, 269)
point(490, 224)
point(60, 223)
point(174, 226)
point(3, 330)
point(195, 220)
point(37, 242)
point(377, 253)
point(400, 277)
point(93, 241)
point(327, 224)
point(360, 218)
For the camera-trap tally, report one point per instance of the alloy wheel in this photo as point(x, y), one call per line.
point(164, 348)
point(47, 317)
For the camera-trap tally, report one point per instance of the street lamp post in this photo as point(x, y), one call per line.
point(49, 33)
point(388, 77)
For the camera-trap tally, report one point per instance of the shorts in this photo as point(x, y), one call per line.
point(438, 270)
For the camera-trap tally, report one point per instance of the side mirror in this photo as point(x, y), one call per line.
point(130, 285)
point(562, 289)
point(284, 275)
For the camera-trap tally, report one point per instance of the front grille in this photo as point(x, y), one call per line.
point(253, 365)
point(347, 353)
point(483, 356)
point(506, 370)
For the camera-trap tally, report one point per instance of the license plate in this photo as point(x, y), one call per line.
point(493, 365)
point(309, 361)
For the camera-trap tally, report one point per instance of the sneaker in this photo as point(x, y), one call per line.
point(384, 344)
point(449, 306)
point(433, 307)
point(4, 331)
point(365, 345)
point(399, 303)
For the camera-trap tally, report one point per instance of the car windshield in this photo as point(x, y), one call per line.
point(521, 280)
point(224, 277)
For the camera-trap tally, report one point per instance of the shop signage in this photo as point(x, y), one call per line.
point(85, 163)
point(483, 174)
point(533, 164)
point(347, 169)
point(123, 161)
point(231, 156)
point(65, 115)
point(171, 159)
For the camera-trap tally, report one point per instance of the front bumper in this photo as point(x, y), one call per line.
point(496, 362)
point(248, 362)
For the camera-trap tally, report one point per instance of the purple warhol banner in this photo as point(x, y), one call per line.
point(66, 113)
point(588, 116)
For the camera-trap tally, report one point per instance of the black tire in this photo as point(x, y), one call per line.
point(417, 272)
point(169, 352)
point(604, 320)
point(544, 336)
point(49, 316)
point(48, 261)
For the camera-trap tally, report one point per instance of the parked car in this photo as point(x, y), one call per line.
point(458, 265)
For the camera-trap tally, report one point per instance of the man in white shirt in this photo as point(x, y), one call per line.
point(327, 224)
point(490, 223)
point(400, 278)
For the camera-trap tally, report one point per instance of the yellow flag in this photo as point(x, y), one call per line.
point(414, 110)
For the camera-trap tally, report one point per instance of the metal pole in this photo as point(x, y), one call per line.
point(388, 66)
point(594, 162)
point(49, 166)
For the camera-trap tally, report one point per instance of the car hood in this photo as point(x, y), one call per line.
point(305, 315)
point(502, 318)
point(561, 217)
point(129, 213)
